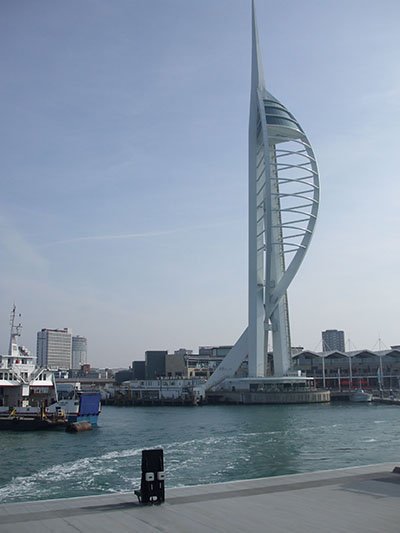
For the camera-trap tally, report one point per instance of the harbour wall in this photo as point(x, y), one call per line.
point(260, 397)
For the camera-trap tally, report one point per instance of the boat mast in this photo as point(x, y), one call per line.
point(15, 331)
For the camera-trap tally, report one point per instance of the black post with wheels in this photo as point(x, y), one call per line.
point(152, 486)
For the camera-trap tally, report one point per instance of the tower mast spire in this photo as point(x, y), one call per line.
point(257, 71)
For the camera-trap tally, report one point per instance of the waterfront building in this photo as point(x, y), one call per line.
point(183, 363)
point(123, 375)
point(200, 365)
point(283, 207)
point(54, 348)
point(215, 351)
point(162, 390)
point(86, 373)
point(183, 351)
point(175, 364)
point(79, 351)
point(203, 365)
point(333, 339)
point(139, 369)
point(155, 363)
point(355, 369)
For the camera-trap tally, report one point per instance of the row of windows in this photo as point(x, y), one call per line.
point(24, 375)
point(282, 121)
point(278, 111)
point(52, 345)
point(7, 375)
point(55, 336)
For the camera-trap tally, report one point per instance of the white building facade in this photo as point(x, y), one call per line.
point(54, 348)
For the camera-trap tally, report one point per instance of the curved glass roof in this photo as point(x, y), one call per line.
point(277, 115)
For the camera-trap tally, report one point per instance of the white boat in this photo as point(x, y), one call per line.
point(361, 395)
point(25, 389)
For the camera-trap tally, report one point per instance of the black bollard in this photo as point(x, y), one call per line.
point(152, 486)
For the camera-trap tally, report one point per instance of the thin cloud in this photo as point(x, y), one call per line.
point(127, 236)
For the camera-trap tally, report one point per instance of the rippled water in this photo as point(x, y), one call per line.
point(201, 445)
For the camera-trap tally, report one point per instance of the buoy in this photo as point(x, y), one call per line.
point(76, 427)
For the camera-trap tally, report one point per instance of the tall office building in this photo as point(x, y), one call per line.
point(333, 339)
point(79, 351)
point(54, 348)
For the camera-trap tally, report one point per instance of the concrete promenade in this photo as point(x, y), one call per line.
point(352, 500)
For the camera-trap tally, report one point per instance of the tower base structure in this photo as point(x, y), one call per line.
point(269, 390)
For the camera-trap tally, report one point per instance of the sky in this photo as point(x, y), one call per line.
point(123, 168)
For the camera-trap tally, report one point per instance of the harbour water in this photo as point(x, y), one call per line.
point(206, 444)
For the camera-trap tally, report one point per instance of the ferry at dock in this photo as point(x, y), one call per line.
point(26, 390)
point(28, 393)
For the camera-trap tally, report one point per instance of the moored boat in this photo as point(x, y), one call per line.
point(30, 422)
point(361, 395)
point(82, 406)
point(25, 388)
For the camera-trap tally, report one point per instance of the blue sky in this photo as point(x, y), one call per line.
point(123, 168)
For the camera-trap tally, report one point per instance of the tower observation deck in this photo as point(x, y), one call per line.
point(283, 207)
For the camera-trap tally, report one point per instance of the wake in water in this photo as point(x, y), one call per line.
point(115, 471)
point(201, 445)
point(90, 475)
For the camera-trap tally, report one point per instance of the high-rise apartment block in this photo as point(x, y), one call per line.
point(333, 340)
point(79, 351)
point(54, 348)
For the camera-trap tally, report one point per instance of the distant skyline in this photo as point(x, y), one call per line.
point(123, 212)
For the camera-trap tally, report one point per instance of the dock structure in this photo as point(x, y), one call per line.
point(361, 500)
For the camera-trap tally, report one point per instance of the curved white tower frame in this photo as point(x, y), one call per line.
point(283, 207)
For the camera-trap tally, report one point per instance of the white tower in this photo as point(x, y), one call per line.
point(283, 206)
